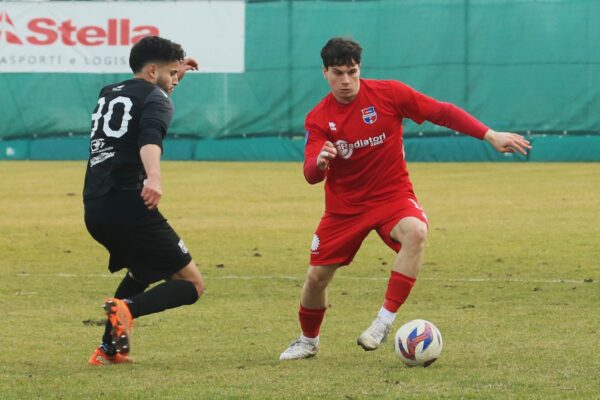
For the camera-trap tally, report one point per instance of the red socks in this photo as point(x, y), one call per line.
point(310, 321)
point(399, 287)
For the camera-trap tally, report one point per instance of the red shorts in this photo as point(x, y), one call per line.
point(338, 237)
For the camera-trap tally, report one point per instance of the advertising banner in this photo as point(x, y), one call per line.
point(95, 37)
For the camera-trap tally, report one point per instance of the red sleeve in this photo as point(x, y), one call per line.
point(419, 107)
point(315, 139)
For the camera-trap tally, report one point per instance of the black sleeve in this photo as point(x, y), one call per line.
point(155, 119)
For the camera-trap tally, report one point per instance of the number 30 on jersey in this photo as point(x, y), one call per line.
point(108, 114)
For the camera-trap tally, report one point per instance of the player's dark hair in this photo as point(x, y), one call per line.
point(154, 49)
point(341, 51)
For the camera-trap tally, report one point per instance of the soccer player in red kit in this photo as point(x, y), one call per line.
point(354, 142)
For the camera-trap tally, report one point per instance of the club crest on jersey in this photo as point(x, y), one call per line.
point(369, 115)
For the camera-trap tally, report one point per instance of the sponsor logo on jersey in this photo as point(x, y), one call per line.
point(100, 158)
point(332, 126)
point(118, 88)
point(96, 145)
point(369, 115)
point(346, 149)
point(46, 31)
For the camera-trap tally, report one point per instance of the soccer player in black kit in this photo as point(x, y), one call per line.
point(122, 191)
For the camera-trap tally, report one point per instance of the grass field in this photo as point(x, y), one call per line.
point(511, 278)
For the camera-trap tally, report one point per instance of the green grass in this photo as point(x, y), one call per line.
point(509, 248)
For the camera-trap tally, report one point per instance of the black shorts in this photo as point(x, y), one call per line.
point(138, 239)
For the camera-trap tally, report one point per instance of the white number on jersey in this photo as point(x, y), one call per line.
point(127, 104)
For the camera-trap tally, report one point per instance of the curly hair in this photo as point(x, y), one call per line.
point(154, 49)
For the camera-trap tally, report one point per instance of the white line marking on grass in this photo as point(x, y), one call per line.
point(65, 275)
point(356, 278)
point(369, 278)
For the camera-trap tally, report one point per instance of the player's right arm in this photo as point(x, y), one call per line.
point(152, 190)
point(318, 153)
point(154, 122)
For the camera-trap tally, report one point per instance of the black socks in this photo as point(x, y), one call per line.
point(169, 294)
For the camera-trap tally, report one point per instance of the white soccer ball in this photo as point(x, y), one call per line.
point(418, 343)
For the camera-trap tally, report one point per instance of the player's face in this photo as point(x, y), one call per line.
point(166, 77)
point(344, 81)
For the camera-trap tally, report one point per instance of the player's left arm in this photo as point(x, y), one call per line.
point(507, 142)
point(188, 64)
point(455, 118)
point(420, 107)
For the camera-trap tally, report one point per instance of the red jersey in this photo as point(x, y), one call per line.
point(370, 167)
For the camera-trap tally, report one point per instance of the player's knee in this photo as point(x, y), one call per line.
point(195, 289)
point(200, 287)
point(316, 282)
point(416, 237)
point(191, 274)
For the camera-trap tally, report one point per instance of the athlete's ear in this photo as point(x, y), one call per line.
point(152, 71)
point(325, 73)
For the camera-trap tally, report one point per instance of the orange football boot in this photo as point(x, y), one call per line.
point(99, 357)
point(120, 318)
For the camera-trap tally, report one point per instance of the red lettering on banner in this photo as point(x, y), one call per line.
point(118, 32)
point(42, 26)
point(66, 29)
point(112, 29)
point(86, 35)
point(144, 30)
point(124, 31)
point(10, 36)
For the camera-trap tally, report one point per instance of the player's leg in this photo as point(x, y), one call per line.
point(411, 232)
point(106, 353)
point(407, 236)
point(313, 304)
point(154, 253)
point(160, 254)
point(335, 243)
point(142, 240)
point(184, 287)
point(181, 288)
point(101, 227)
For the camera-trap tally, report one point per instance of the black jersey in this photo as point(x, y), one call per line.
point(129, 115)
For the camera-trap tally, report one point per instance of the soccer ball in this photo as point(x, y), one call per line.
point(418, 342)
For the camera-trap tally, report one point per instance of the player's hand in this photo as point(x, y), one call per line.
point(151, 193)
point(507, 142)
point(188, 63)
point(327, 153)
